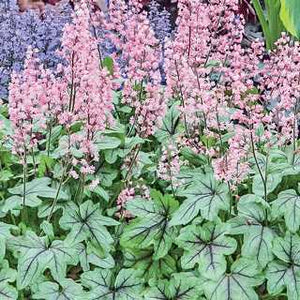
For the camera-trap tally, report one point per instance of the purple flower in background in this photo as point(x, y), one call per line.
point(20, 30)
point(160, 21)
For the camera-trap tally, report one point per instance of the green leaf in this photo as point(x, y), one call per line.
point(86, 222)
point(7, 275)
point(100, 191)
point(151, 227)
point(67, 289)
point(108, 142)
point(4, 236)
point(108, 62)
point(288, 205)
point(290, 16)
point(182, 286)
point(45, 208)
point(194, 158)
point(170, 124)
point(5, 175)
point(152, 269)
point(251, 222)
point(205, 194)
point(46, 163)
point(238, 285)
point(206, 246)
point(36, 254)
point(107, 176)
point(90, 254)
point(272, 182)
point(34, 191)
point(285, 272)
point(102, 284)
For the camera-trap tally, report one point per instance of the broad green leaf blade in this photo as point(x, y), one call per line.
point(8, 292)
point(152, 269)
point(238, 285)
point(45, 208)
point(290, 16)
point(205, 195)
point(288, 205)
point(140, 207)
point(288, 249)
point(101, 284)
point(152, 228)
point(285, 272)
point(272, 182)
point(38, 187)
point(251, 223)
point(36, 254)
point(129, 284)
point(206, 246)
point(86, 222)
point(108, 142)
point(182, 286)
point(170, 124)
point(281, 275)
point(4, 235)
point(7, 275)
point(34, 191)
point(66, 290)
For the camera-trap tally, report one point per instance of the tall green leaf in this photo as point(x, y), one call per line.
point(152, 226)
point(205, 195)
point(36, 254)
point(86, 222)
point(238, 285)
point(285, 271)
point(151, 269)
point(102, 284)
point(182, 286)
point(206, 245)
point(35, 191)
point(288, 205)
point(290, 16)
point(252, 222)
point(67, 289)
point(7, 276)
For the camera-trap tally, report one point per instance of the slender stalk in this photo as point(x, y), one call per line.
point(132, 163)
point(24, 177)
point(57, 195)
point(49, 140)
point(182, 100)
point(34, 162)
point(24, 212)
point(294, 141)
point(140, 100)
point(258, 167)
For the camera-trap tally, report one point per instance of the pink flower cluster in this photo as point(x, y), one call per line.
point(24, 106)
point(80, 93)
point(134, 37)
point(125, 196)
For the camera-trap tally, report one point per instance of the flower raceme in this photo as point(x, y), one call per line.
point(134, 37)
point(79, 93)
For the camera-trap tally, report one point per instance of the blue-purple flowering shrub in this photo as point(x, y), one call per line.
point(20, 30)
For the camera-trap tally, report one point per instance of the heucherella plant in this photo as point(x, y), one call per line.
point(117, 186)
